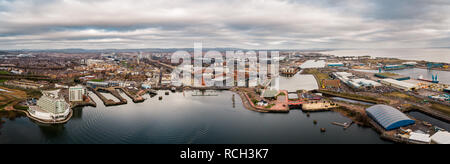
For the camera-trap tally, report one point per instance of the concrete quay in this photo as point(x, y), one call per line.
point(109, 102)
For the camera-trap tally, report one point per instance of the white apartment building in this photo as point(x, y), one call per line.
point(76, 93)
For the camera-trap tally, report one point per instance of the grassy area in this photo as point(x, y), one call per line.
point(269, 106)
point(5, 103)
point(442, 108)
point(20, 107)
point(23, 93)
point(4, 73)
point(355, 116)
point(3, 80)
point(11, 98)
point(404, 96)
point(254, 101)
point(33, 93)
point(317, 74)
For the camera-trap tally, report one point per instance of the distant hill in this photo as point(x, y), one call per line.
point(156, 50)
point(3, 53)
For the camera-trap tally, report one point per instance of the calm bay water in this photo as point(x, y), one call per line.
point(183, 118)
point(298, 82)
point(430, 54)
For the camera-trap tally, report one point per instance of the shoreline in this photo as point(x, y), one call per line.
point(359, 118)
point(46, 121)
point(250, 106)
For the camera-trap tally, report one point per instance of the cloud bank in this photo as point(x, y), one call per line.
point(253, 24)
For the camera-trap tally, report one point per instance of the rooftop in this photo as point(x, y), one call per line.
point(270, 93)
point(388, 117)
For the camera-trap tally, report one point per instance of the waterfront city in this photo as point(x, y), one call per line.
point(329, 95)
point(224, 72)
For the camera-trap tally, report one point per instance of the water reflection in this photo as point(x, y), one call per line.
point(77, 113)
point(1, 125)
point(51, 131)
point(182, 118)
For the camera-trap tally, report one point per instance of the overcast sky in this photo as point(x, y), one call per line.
point(254, 24)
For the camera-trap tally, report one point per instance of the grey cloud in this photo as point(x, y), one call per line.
point(241, 24)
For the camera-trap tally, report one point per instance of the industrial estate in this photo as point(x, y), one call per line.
point(47, 86)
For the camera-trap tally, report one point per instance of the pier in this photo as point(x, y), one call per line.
point(136, 98)
point(345, 125)
point(109, 102)
point(91, 102)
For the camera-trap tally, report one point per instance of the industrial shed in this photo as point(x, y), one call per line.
point(441, 138)
point(388, 117)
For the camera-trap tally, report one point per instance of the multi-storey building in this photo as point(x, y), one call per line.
point(76, 93)
point(51, 106)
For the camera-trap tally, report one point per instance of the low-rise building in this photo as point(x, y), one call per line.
point(353, 81)
point(388, 117)
point(441, 137)
point(95, 84)
point(77, 93)
point(360, 82)
point(398, 84)
point(420, 137)
point(335, 64)
point(270, 94)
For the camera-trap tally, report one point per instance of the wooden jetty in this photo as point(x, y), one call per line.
point(345, 125)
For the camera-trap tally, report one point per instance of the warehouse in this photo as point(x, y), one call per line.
point(420, 137)
point(335, 64)
point(95, 84)
point(441, 137)
point(365, 83)
point(353, 81)
point(388, 117)
point(398, 84)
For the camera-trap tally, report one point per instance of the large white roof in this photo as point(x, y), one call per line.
point(441, 137)
point(420, 137)
point(401, 83)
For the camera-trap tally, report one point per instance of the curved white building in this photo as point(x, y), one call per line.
point(50, 107)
